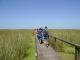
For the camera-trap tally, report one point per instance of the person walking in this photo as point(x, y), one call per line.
point(46, 36)
point(39, 35)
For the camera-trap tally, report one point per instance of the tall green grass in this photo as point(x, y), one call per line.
point(15, 44)
point(65, 50)
point(67, 34)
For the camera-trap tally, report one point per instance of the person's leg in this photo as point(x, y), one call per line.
point(46, 38)
point(38, 38)
point(45, 41)
point(41, 40)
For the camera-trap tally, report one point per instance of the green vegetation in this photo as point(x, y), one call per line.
point(65, 51)
point(68, 34)
point(19, 44)
point(16, 45)
point(66, 56)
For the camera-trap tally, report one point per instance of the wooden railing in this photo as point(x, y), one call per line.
point(76, 46)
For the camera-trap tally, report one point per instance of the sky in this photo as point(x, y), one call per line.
point(26, 14)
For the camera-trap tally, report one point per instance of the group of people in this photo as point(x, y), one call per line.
point(42, 35)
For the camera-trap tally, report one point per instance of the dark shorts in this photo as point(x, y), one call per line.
point(39, 37)
point(46, 37)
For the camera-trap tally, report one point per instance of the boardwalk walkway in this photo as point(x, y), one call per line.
point(44, 53)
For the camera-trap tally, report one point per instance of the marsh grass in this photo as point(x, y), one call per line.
point(15, 44)
point(65, 51)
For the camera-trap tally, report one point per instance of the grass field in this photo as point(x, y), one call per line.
point(20, 45)
point(65, 51)
point(17, 45)
point(68, 34)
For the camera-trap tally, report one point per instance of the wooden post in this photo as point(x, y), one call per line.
point(77, 53)
point(55, 43)
point(78, 57)
point(55, 40)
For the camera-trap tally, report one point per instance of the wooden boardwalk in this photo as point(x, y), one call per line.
point(44, 53)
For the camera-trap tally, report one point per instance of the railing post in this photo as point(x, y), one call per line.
point(77, 53)
point(55, 42)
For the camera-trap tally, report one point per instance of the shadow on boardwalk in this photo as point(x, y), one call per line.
point(44, 53)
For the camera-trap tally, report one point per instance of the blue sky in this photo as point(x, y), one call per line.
point(57, 14)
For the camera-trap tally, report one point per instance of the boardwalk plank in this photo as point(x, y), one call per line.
point(45, 53)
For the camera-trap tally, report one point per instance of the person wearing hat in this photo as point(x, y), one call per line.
point(39, 35)
point(46, 36)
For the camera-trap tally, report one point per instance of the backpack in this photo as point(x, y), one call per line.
point(45, 33)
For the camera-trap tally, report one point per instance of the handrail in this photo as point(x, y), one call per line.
point(77, 47)
point(66, 41)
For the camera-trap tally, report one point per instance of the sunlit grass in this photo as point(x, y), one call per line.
point(65, 51)
point(65, 56)
point(16, 45)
